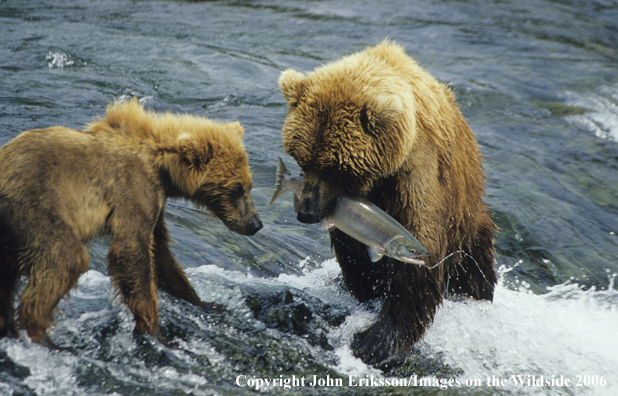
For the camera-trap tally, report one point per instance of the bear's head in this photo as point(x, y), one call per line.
point(348, 126)
point(200, 159)
point(213, 171)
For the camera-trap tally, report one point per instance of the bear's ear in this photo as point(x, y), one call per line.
point(387, 108)
point(291, 84)
point(380, 113)
point(237, 129)
point(192, 153)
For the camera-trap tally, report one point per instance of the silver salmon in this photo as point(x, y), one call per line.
point(360, 219)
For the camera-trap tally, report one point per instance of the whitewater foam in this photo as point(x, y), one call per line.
point(601, 116)
point(568, 332)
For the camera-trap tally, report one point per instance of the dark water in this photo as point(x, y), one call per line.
point(538, 82)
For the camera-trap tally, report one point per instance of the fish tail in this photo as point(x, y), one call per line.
point(279, 185)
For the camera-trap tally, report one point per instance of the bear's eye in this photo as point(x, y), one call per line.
point(364, 120)
point(236, 192)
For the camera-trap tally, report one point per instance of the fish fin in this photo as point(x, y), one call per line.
point(279, 189)
point(375, 254)
point(296, 203)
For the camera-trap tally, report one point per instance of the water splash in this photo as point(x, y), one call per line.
point(129, 94)
point(568, 331)
point(602, 117)
point(58, 60)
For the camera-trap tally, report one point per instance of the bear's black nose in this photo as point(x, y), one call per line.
point(308, 217)
point(254, 226)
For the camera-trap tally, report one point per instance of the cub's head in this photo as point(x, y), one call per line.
point(347, 126)
point(212, 170)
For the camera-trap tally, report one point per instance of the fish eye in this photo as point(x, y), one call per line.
point(412, 250)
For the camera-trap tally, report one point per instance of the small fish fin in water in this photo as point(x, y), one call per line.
point(282, 171)
point(296, 203)
point(375, 254)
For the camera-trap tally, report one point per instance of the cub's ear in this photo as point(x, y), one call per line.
point(237, 129)
point(291, 84)
point(194, 152)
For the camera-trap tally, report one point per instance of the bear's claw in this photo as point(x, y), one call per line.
point(381, 346)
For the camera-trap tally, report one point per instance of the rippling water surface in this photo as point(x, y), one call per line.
point(538, 83)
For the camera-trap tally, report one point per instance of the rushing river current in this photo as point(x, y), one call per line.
point(538, 83)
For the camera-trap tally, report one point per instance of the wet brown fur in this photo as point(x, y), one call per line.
point(374, 123)
point(60, 188)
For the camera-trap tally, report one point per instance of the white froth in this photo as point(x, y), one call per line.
point(601, 116)
point(566, 332)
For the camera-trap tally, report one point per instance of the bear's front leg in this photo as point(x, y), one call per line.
point(410, 300)
point(364, 279)
point(170, 275)
point(132, 270)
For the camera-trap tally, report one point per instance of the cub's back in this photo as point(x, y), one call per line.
point(72, 174)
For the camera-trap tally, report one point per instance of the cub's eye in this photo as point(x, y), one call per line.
point(236, 192)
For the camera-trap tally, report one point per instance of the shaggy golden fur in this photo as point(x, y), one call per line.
point(61, 187)
point(375, 124)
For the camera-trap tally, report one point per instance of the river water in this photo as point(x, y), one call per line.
point(538, 83)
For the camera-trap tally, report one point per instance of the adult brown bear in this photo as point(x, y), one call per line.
point(375, 124)
point(61, 187)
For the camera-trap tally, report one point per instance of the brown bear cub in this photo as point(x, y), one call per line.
point(61, 187)
point(375, 124)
